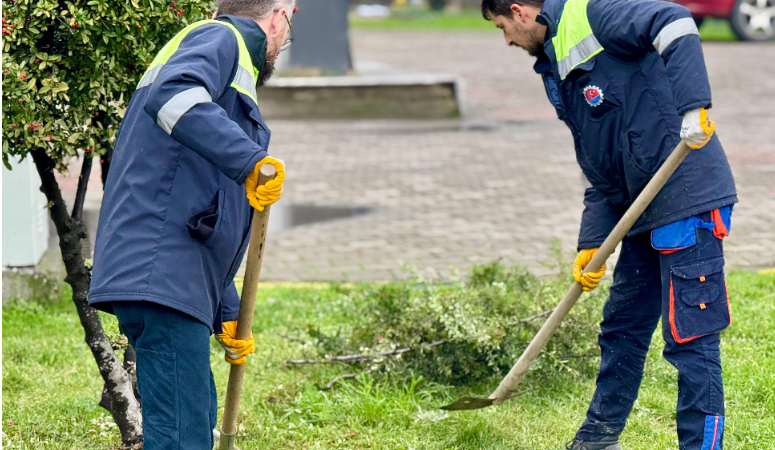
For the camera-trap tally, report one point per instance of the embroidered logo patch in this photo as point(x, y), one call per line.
point(593, 95)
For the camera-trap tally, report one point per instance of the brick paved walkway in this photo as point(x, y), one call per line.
point(500, 184)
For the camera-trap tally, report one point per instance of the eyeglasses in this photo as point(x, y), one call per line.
point(289, 39)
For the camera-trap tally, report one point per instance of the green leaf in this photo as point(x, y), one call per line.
point(73, 138)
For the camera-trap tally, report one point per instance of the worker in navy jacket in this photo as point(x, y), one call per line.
point(629, 80)
point(176, 214)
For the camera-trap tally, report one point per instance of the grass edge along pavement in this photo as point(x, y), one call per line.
point(471, 19)
point(51, 387)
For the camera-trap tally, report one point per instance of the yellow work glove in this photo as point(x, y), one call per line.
point(236, 350)
point(260, 196)
point(588, 280)
point(696, 129)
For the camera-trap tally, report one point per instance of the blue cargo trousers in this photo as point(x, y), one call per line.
point(686, 289)
point(173, 375)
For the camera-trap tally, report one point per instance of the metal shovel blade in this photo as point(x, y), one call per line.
point(467, 403)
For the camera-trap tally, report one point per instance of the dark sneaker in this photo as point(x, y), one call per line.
point(611, 443)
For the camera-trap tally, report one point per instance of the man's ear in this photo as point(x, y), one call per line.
point(518, 12)
point(277, 20)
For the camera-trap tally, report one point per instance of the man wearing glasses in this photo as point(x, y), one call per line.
point(176, 214)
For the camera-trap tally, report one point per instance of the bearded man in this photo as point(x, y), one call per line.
point(628, 78)
point(176, 213)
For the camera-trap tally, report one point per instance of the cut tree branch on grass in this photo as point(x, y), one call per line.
point(347, 376)
point(121, 400)
point(347, 359)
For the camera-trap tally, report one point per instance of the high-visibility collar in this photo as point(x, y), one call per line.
point(244, 80)
point(574, 43)
point(253, 35)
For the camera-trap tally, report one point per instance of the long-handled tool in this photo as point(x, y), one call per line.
point(515, 375)
point(245, 319)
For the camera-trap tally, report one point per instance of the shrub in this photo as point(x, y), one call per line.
point(459, 331)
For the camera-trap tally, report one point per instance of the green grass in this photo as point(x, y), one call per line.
point(51, 387)
point(471, 19)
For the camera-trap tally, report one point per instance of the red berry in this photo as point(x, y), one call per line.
point(182, 10)
point(37, 60)
point(11, 25)
point(14, 125)
point(171, 8)
point(174, 4)
point(139, 26)
point(178, 12)
point(22, 76)
point(21, 100)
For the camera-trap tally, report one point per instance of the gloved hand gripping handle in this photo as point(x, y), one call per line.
point(245, 317)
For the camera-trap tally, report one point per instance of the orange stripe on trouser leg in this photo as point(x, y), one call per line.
point(720, 230)
point(729, 304)
point(715, 433)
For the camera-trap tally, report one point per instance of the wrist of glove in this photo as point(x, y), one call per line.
point(589, 280)
point(236, 350)
point(262, 196)
point(696, 129)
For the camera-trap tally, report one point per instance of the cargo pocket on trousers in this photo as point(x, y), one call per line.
point(699, 303)
point(157, 380)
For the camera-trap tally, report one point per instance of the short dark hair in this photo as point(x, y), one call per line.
point(254, 9)
point(503, 7)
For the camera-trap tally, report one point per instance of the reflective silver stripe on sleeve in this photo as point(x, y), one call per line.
point(674, 30)
point(150, 76)
point(173, 110)
point(245, 80)
point(577, 54)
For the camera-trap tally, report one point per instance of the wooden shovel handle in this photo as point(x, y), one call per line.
point(515, 375)
point(247, 307)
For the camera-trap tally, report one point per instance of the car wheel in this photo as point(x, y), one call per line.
point(753, 20)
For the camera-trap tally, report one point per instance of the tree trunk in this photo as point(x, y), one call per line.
point(121, 400)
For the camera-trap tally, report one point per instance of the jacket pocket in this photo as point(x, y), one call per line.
point(202, 225)
point(699, 303)
point(636, 177)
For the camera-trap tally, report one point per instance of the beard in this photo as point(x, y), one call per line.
point(535, 42)
point(265, 74)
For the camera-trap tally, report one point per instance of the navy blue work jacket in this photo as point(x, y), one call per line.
point(624, 107)
point(175, 221)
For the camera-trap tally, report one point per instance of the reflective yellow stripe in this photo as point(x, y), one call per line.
point(244, 79)
point(574, 43)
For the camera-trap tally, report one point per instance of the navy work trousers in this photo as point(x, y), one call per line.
point(687, 290)
point(173, 375)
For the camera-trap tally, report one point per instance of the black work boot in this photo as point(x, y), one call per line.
point(606, 443)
